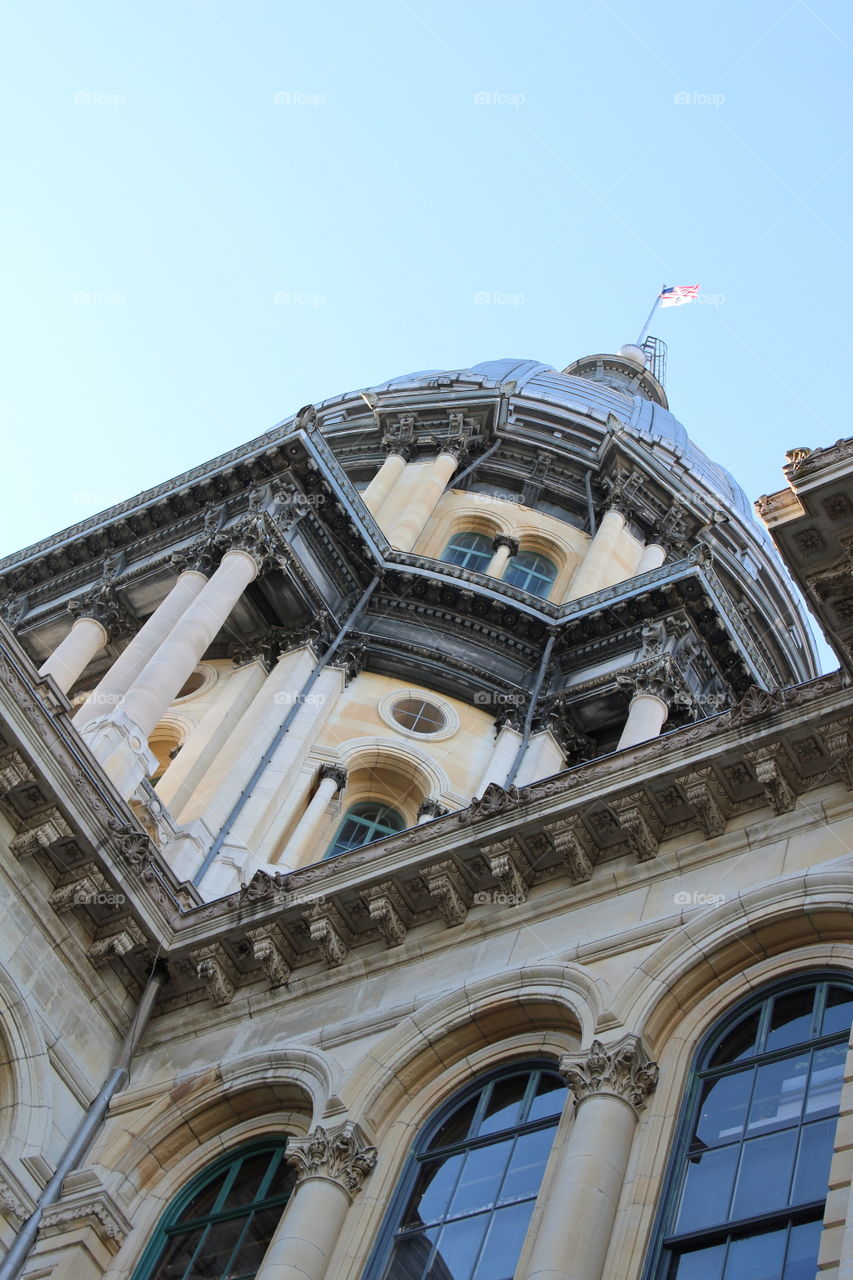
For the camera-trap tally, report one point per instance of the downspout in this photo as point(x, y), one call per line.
point(528, 719)
point(282, 730)
point(87, 1130)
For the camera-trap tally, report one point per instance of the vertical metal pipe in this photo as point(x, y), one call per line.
point(86, 1131)
point(531, 711)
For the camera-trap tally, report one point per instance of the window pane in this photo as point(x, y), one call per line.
point(777, 1099)
point(504, 1105)
point(527, 1165)
point(457, 1126)
point(765, 1174)
point(549, 1100)
point(204, 1199)
point(757, 1257)
point(839, 1011)
point(458, 1247)
point(503, 1243)
point(722, 1108)
point(707, 1189)
point(433, 1190)
point(248, 1181)
point(481, 1177)
point(254, 1244)
point(812, 1177)
point(803, 1246)
point(739, 1043)
point(216, 1251)
point(826, 1079)
point(179, 1251)
point(701, 1264)
point(411, 1256)
point(791, 1019)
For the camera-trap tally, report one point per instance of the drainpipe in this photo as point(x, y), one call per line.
point(590, 505)
point(528, 719)
point(280, 734)
point(87, 1130)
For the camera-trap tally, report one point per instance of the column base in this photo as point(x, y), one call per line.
point(186, 853)
point(121, 749)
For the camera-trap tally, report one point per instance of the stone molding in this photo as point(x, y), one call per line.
point(340, 1155)
point(86, 1202)
point(621, 1070)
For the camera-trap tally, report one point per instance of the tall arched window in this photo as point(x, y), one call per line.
point(469, 551)
point(747, 1186)
point(464, 1202)
point(363, 824)
point(531, 571)
point(220, 1225)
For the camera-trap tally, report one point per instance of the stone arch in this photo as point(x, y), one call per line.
point(271, 1091)
point(168, 736)
point(463, 512)
point(488, 1018)
point(538, 1011)
point(377, 765)
point(698, 975)
point(26, 1095)
point(762, 928)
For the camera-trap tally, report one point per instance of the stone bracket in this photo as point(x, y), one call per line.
point(444, 882)
point(387, 909)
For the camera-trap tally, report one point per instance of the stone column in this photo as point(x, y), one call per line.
point(110, 692)
point(333, 778)
point(646, 716)
point(331, 1169)
point(610, 1085)
point(72, 656)
point(162, 677)
point(504, 547)
point(383, 482)
point(592, 570)
point(652, 557)
point(405, 532)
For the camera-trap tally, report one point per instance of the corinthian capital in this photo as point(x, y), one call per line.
point(253, 535)
point(658, 676)
point(622, 1070)
point(341, 1155)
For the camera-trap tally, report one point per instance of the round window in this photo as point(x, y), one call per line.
point(419, 716)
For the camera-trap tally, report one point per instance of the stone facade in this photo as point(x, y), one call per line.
point(622, 800)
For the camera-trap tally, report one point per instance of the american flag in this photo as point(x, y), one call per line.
point(677, 295)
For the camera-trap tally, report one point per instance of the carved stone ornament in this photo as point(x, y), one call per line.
point(504, 540)
point(622, 1070)
point(341, 1155)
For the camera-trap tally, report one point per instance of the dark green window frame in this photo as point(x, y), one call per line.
point(171, 1226)
point(782, 1229)
point(428, 1149)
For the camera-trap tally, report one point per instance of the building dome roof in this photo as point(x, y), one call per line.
point(651, 422)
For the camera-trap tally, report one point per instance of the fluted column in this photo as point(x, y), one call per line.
point(333, 778)
point(647, 714)
point(110, 692)
point(652, 557)
point(331, 1169)
point(383, 482)
point(592, 570)
point(504, 547)
point(404, 534)
point(72, 656)
point(610, 1085)
point(170, 666)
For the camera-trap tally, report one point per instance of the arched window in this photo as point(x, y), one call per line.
point(748, 1182)
point(532, 572)
point(469, 551)
point(464, 1202)
point(363, 824)
point(220, 1225)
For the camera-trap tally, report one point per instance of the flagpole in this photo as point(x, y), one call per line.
point(644, 332)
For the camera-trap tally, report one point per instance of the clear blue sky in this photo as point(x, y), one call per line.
point(218, 212)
